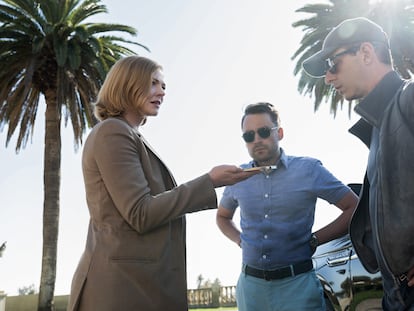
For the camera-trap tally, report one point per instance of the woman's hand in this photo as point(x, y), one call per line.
point(224, 175)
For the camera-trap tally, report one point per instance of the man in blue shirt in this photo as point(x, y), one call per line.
point(277, 208)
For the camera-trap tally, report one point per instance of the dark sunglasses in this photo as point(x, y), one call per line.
point(332, 66)
point(264, 132)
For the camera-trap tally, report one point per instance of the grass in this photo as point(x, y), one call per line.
point(373, 296)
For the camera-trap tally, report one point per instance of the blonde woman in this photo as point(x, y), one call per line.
point(135, 250)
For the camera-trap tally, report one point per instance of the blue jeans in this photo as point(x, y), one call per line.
point(302, 292)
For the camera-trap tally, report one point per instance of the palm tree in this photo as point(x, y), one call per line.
point(200, 280)
point(46, 49)
point(396, 17)
point(2, 248)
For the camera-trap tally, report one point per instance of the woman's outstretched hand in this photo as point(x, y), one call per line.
point(224, 175)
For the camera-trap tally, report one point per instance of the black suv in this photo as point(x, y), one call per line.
point(345, 282)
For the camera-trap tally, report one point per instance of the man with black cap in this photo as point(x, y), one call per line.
point(355, 59)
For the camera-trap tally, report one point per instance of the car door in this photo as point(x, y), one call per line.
point(366, 287)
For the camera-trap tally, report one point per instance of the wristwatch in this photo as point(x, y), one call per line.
point(313, 242)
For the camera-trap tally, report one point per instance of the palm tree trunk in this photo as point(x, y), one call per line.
point(51, 178)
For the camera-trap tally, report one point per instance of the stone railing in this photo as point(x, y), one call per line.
point(2, 301)
point(224, 296)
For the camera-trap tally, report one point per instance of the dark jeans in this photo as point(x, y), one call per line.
point(398, 296)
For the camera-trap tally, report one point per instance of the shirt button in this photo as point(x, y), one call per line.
point(267, 176)
point(266, 216)
point(265, 236)
point(266, 195)
point(264, 256)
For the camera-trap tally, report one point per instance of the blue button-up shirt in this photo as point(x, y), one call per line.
point(277, 210)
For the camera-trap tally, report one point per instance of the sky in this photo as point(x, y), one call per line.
point(218, 56)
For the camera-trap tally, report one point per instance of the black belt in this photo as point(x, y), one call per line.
point(280, 273)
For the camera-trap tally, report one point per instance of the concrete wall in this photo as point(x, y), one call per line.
point(29, 303)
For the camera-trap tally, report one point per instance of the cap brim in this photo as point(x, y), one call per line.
point(315, 66)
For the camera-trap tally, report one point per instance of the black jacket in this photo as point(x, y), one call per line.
point(389, 108)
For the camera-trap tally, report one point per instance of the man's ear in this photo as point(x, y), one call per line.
point(280, 133)
point(368, 51)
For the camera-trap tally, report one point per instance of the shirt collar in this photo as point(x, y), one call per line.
point(283, 160)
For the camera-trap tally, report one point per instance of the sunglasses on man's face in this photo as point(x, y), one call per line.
point(332, 63)
point(264, 132)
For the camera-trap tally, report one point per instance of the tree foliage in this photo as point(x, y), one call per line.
point(27, 290)
point(46, 46)
point(207, 283)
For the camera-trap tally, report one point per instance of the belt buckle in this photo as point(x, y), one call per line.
point(266, 275)
point(292, 270)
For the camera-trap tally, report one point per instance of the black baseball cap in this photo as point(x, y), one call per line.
point(348, 32)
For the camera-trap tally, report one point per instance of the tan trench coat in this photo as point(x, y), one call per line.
point(135, 250)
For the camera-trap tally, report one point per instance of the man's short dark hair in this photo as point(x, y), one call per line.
point(383, 52)
point(262, 107)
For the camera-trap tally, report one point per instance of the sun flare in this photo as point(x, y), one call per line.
point(379, 1)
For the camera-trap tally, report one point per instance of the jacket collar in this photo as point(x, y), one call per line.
point(372, 107)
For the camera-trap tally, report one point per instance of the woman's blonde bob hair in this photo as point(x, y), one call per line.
point(126, 85)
